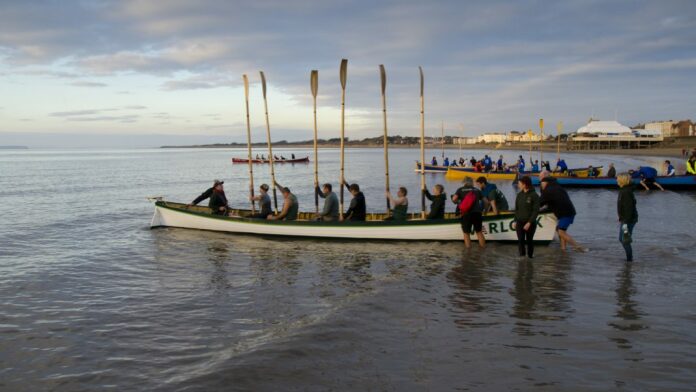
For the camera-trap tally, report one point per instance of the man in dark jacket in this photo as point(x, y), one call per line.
point(473, 218)
point(357, 209)
point(437, 207)
point(556, 199)
point(217, 199)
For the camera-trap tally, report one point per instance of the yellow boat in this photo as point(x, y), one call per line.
point(458, 173)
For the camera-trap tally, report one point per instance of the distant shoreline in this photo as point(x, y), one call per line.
point(670, 152)
point(14, 148)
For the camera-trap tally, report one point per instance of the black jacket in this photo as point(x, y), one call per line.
point(557, 200)
point(437, 208)
point(626, 205)
point(217, 200)
point(527, 206)
point(461, 193)
point(357, 209)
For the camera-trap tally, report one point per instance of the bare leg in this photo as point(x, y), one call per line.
point(659, 186)
point(561, 239)
point(481, 239)
point(644, 185)
point(568, 239)
point(467, 240)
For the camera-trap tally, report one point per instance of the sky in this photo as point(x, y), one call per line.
point(146, 73)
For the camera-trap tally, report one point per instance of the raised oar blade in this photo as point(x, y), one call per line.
point(383, 77)
point(314, 82)
point(343, 74)
point(314, 85)
point(422, 111)
point(263, 84)
point(246, 86)
point(251, 170)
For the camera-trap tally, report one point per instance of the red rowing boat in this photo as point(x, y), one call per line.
point(297, 160)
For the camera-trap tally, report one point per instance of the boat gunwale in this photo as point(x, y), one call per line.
point(379, 223)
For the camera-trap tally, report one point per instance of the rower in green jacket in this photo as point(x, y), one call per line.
point(400, 203)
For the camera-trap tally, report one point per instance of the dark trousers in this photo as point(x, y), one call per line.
point(627, 246)
point(525, 238)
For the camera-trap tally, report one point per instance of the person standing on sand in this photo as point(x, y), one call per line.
point(628, 214)
point(556, 199)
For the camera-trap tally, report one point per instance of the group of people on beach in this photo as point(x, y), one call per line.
point(473, 199)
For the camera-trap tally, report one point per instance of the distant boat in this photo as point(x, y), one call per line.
point(687, 182)
point(498, 227)
point(297, 160)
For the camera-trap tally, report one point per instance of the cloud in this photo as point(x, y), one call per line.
point(84, 83)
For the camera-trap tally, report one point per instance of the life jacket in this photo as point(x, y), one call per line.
point(691, 167)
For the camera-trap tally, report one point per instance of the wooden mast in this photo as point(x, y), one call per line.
point(248, 124)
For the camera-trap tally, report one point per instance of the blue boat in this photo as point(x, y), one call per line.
point(686, 182)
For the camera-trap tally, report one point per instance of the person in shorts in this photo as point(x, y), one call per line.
point(472, 218)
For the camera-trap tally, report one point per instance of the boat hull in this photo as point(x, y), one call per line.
point(498, 227)
point(672, 183)
point(298, 160)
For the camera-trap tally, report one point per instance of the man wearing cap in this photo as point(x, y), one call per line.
point(264, 202)
point(217, 199)
point(290, 206)
point(357, 211)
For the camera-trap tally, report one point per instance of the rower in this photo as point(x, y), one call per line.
point(293, 156)
point(500, 165)
point(487, 163)
point(561, 166)
point(257, 157)
point(611, 173)
point(438, 198)
point(433, 161)
point(493, 198)
point(290, 205)
point(330, 211)
point(446, 162)
point(400, 203)
point(357, 209)
point(647, 177)
point(217, 199)
point(669, 169)
point(535, 167)
point(691, 165)
point(520, 164)
point(592, 172)
point(264, 201)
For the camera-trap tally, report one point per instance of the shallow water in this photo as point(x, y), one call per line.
point(95, 300)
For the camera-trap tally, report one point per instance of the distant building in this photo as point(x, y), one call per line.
point(665, 127)
point(463, 140)
point(673, 128)
point(597, 135)
point(522, 137)
point(492, 138)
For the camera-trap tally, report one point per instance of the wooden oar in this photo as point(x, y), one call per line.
point(442, 140)
point(422, 146)
point(314, 85)
point(343, 73)
point(541, 140)
point(559, 127)
point(251, 166)
point(383, 77)
point(270, 145)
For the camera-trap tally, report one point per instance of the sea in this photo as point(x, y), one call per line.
point(95, 300)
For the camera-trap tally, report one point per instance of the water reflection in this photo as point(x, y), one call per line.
point(218, 253)
point(627, 310)
point(472, 297)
